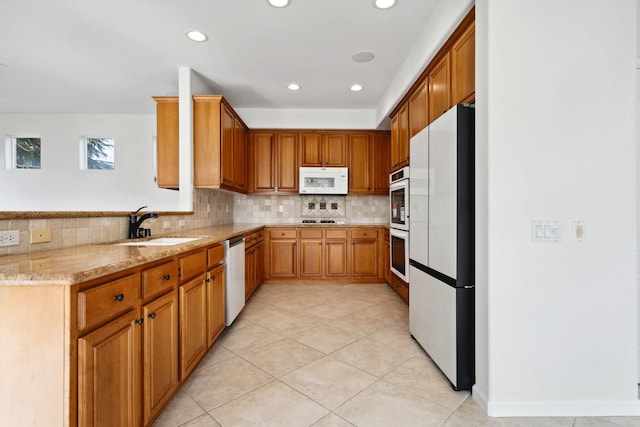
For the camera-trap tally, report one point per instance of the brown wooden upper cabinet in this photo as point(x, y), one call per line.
point(167, 175)
point(273, 161)
point(400, 138)
point(369, 163)
point(463, 60)
point(440, 88)
point(324, 149)
point(220, 145)
point(418, 108)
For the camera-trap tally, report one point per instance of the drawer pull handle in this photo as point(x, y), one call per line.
point(119, 297)
point(166, 277)
point(139, 321)
point(152, 315)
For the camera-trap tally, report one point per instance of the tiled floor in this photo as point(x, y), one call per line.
point(329, 355)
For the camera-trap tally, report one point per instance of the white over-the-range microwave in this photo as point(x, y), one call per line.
point(319, 180)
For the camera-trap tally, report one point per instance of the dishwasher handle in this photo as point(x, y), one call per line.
point(235, 241)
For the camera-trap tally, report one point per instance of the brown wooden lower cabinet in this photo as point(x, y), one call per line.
point(193, 324)
point(215, 303)
point(324, 254)
point(253, 262)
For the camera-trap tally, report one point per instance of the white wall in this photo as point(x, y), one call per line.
point(556, 140)
point(283, 118)
point(60, 185)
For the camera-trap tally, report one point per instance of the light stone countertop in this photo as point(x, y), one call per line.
point(77, 264)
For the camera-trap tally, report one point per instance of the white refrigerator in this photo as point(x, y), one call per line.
point(441, 243)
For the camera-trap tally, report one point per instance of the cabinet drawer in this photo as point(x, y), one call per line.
point(159, 279)
point(311, 233)
point(282, 233)
point(364, 233)
point(336, 233)
point(215, 255)
point(192, 265)
point(105, 302)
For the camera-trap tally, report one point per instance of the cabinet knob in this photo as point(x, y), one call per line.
point(119, 297)
point(207, 280)
point(282, 234)
point(152, 315)
point(212, 278)
point(166, 277)
point(139, 321)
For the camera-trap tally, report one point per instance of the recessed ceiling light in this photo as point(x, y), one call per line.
point(356, 88)
point(279, 3)
point(363, 56)
point(384, 4)
point(197, 36)
point(293, 86)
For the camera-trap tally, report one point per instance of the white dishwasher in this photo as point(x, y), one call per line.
point(234, 288)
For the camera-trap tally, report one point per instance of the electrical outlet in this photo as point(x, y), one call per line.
point(181, 223)
point(10, 238)
point(40, 235)
point(166, 225)
point(373, 208)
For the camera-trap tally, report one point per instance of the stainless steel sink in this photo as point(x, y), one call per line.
point(160, 241)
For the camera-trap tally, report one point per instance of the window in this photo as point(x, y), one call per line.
point(97, 153)
point(23, 152)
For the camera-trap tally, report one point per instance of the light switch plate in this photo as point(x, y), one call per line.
point(546, 231)
point(40, 235)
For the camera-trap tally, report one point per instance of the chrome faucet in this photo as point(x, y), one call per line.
point(135, 222)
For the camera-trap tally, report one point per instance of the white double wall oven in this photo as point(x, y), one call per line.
point(399, 223)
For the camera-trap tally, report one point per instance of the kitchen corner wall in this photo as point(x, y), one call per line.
point(211, 207)
point(266, 209)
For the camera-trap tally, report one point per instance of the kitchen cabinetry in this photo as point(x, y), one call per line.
point(327, 149)
point(273, 162)
point(400, 138)
point(193, 311)
point(323, 252)
point(364, 253)
point(369, 163)
point(397, 285)
point(463, 60)
point(220, 145)
point(281, 251)
point(215, 284)
point(167, 146)
point(440, 88)
point(253, 262)
point(418, 108)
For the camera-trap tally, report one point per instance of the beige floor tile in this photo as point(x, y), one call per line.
point(286, 322)
point(421, 376)
point(383, 404)
point(398, 337)
point(332, 420)
point(470, 414)
point(274, 404)
point(361, 323)
point(326, 338)
point(328, 381)
point(202, 421)
point(216, 354)
point(283, 356)
point(327, 311)
point(180, 410)
point(249, 338)
point(217, 384)
point(607, 422)
point(353, 304)
point(393, 312)
point(299, 302)
point(372, 356)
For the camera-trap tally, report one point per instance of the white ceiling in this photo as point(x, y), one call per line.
point(89, 56)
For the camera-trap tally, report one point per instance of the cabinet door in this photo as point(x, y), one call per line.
point(403, 142)
point(193, 324)
point(160, 353)
point(262, 162)
point(439, 89)
point(311, 258)
point(287, 164)
point(311, 149)
point(336, 258)
point(364, 255)
point(395, 141)
point(227, 134)
point(463, 61)
point(359, 164)
point(215, 304)
point(109, 374)
point(259, 267)
point(381, 166)
point(282, 259)
point(249, 272)
point(418, 109)
point(334, 150)
point(239, 156)
point(167, 146)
